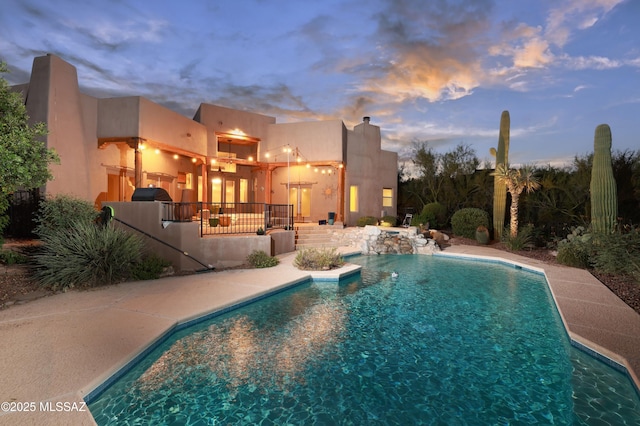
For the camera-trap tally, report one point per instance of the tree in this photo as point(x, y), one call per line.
point(516, 181)
point(448, 178)
point(24, 157)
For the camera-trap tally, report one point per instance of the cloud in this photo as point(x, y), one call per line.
point(591, 62)
point(581, 14)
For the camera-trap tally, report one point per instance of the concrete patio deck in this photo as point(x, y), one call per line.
point(58, 349)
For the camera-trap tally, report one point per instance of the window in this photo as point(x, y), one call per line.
point(353, 198)
point(244, 190)
point(387, 197)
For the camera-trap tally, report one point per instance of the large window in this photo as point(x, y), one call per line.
point(353, 198)
point(387, 197)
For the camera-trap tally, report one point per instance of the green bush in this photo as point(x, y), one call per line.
point(524, 240)
point(464, 222)
point(9, 257)
point(86, 255)
point(426, 220)
point(366, 220)
point(437, 214)
point(63, 212)
point(617, 253)
point(318, 259)
point(260, 259)
point(574, 253)
point(149, 268)
point(390, 220)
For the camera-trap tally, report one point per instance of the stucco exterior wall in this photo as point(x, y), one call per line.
point(227, 120)
point(317, 141)
point(370, 169)
point(53, 97)
point(184, 237)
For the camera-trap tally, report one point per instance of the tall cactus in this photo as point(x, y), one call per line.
point(500, 189)
point(604, 198)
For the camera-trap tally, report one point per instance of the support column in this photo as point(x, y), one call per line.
point(268, 186)
point(135, 143)
point(138, 168)
point(204, 172)
point(341, 189)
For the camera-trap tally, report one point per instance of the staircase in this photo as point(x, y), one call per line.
point(314, 236)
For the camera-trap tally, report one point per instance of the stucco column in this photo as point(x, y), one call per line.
point(340, 209)
point(204, 171)
point(267, 185)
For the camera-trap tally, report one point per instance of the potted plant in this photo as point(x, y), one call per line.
point(214, 221)
point(260, 231)
point(482, 235)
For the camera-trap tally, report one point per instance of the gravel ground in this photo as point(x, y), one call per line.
point(17, 286)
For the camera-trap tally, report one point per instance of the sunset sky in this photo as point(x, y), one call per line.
point(439, 71)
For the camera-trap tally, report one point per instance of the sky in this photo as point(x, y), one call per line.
point(438, 72)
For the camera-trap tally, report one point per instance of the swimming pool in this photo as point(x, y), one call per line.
point(447, 341)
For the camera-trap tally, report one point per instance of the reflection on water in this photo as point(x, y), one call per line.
point(240, 354)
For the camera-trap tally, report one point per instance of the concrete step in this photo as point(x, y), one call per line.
point(314, 236)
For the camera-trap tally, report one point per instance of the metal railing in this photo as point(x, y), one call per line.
point(230, 218)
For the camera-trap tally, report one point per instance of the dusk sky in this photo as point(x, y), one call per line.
point(440, 71)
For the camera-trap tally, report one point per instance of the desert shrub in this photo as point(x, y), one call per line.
point(574, 253)
point(63, 212)
point(10, 257)
point(617, 253)
point(437, 214)
point(366, 220)
point(318, 259)
point(149, 268)
point(389, 220)
point(260, 259)
point(425, 220)
point(465, 221)
point(524, 240)
point(86, 255)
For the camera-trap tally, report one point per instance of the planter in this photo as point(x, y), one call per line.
point(214, 221)
point(225, 221)
point(332, 217)
point(482, 235)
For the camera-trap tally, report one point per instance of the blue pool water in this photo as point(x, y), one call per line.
point(446, 342)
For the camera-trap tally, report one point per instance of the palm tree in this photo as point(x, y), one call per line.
point(516, 180)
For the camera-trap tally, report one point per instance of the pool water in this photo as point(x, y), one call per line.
point(448, 341)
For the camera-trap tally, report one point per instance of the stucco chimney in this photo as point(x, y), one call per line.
point(366, 119)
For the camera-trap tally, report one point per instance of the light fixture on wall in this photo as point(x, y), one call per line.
point(217, 176)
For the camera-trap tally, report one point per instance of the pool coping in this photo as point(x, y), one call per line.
point(65, 347)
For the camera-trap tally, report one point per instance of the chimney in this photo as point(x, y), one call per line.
point(366, 119)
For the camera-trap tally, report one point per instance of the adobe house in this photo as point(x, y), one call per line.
point(108, 147)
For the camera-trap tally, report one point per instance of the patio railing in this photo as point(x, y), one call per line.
point(230, 218)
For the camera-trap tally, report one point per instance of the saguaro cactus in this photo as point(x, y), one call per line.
point(604, 197)
point(499, 188)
